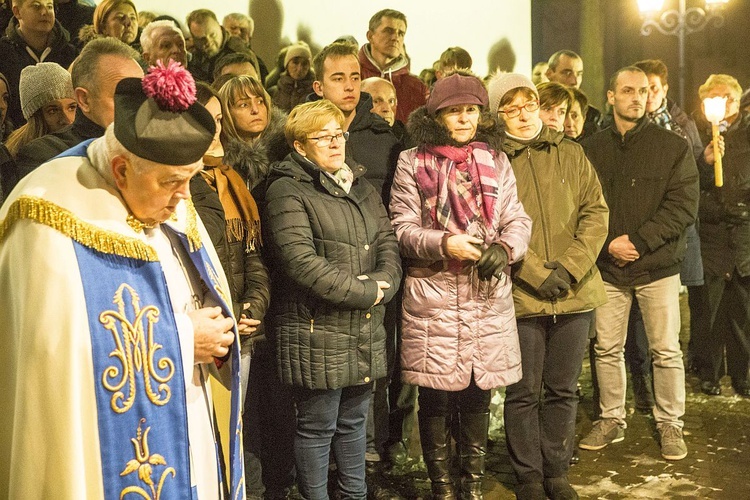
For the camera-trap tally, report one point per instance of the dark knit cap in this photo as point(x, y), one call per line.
point(158, 119)
point(456, 89)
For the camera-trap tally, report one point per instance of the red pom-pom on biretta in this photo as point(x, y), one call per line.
point(171, 86)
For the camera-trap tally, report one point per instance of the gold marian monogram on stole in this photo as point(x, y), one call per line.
point(143, 463)
point(134, 349)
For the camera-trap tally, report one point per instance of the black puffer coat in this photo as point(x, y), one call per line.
point(14, 56)
point(328, 333)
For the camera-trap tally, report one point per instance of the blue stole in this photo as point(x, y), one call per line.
point(139, 379)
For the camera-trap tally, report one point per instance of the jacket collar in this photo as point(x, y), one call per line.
point(546, 138)
point(85, 128)
point(633, 133)
point(301, 169)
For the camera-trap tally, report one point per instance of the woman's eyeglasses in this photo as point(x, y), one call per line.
point(325, 140)
point(530, 106)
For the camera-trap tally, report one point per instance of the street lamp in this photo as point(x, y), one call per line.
point(680, 22)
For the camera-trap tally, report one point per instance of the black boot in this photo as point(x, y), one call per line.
point(643, 392)
point(472, 450)
point(435, 436)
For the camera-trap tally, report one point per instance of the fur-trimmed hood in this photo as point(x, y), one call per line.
point(253, 159)
point(423, 129)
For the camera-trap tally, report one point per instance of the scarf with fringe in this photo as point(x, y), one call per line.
point(240, 209)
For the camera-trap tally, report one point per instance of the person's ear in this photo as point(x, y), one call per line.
point(82, 98)
point(611, 98)
point(318, 88)
point(120, 172)
point(666, 88)
point(298, 148)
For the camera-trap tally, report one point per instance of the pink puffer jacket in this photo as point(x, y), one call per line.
point(453, 323)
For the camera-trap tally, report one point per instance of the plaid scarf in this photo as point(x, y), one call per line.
point(460, 186)
point(663, 118)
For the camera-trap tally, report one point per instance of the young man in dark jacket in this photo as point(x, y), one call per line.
point(33, 36)
point(372, 144)
point(650, 183)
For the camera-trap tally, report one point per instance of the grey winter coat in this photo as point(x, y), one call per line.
point(453, 323)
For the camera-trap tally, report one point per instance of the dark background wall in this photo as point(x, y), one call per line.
point(607, 35)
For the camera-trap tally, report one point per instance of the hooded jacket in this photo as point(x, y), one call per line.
point(454, 324)
point(253, 160)
point(411, 92)
point(16, 55)
point(288, 92)
point(328, 333)
point(561, 193)
point(650, 182)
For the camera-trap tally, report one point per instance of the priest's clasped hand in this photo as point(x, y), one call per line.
point(212, 334)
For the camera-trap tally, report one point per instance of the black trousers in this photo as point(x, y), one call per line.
point(540, 409)
point(437, 403)
point(726, 309)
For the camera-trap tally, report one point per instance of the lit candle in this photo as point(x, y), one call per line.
point(715, 109)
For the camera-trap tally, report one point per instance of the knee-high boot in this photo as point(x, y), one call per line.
point(472, 451)
point(434, 433)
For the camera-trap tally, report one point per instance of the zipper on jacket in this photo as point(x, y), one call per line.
point(312, 322)
point(544, 219)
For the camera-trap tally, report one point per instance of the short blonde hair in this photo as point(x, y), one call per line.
point(720, 79)
point(310, 117)
point(236, 88)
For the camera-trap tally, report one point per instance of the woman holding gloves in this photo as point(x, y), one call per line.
point(459, 224)
point(555, 288)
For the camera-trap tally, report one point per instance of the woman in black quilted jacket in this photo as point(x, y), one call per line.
point(335, 264)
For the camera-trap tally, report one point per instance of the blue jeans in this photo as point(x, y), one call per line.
point(331, 420)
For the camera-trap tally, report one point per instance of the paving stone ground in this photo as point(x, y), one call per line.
point(717, 465)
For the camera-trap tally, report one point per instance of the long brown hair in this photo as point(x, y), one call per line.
point(236, 88)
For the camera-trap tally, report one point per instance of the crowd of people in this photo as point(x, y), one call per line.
point(245, 277)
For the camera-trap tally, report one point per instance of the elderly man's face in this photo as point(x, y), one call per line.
point(151, 191)
point(207, 36)
point(166, 45)
point(383, 100)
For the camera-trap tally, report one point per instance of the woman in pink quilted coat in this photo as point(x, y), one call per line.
point(459, 224)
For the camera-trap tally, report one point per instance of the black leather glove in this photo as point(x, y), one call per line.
point(557, 283)
point(493, 260)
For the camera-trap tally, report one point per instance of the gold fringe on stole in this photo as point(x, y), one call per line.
point(65, 222)
point(191, 227)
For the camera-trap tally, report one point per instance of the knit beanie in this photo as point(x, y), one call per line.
point(41, 84)
point(299, 49)
point(502, 83)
